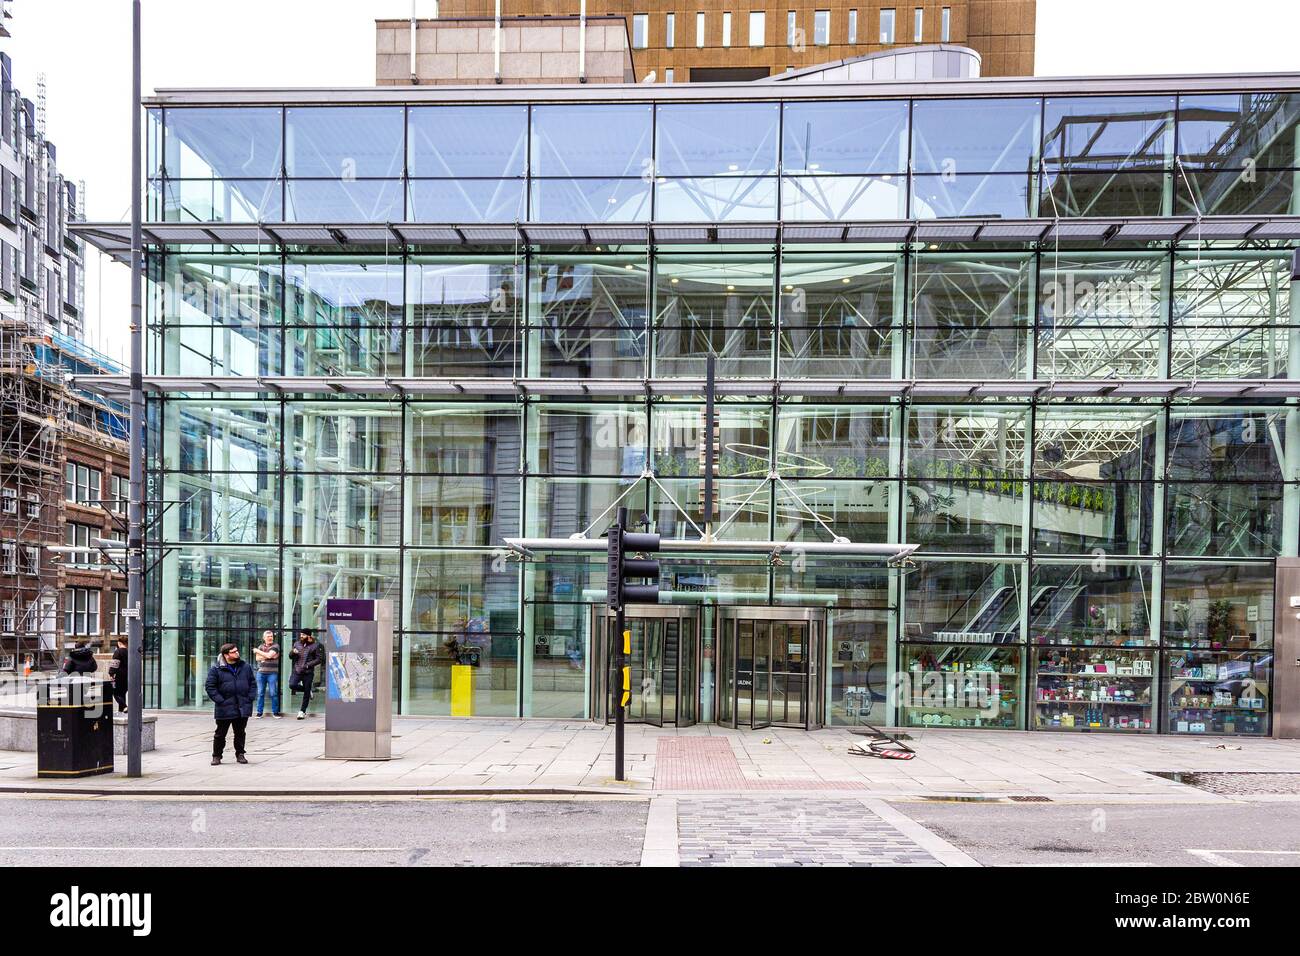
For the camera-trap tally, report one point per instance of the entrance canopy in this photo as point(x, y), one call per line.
point(890, 553)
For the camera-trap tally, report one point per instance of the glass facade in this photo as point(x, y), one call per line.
point(1096, 560)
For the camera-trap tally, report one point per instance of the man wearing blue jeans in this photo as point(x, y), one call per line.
point(268, 674)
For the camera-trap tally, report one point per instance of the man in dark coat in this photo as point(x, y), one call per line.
point(307, 655)
point(232, 686)
point(81, 659)
point(117, 670)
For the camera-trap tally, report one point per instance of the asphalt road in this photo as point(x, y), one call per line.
point(1140, 835)
point(143, 832)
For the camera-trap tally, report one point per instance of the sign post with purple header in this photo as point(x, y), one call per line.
point(358, 679)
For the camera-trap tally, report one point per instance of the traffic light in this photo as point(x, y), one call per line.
point(618, 591)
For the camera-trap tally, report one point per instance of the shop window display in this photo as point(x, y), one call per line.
point(1094, 689)
point(1218, 692)
point(959, 686)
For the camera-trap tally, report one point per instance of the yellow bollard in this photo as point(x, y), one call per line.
point(462, 690)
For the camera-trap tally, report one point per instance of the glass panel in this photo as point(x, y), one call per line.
point(716, 199)
point(1229, 445)
point(590, 200)
point(345, 142)
point(971, 316)
point(834, 441)
point(714, 305)
point(1219, 606)
point(461, 512)
point(463, 316)
point(844, 198)
point(1078, 689)
point(559, 661)
point(845, 137)
point(1248, 192)
point(464, 593)
point(590, 318)
point(466, 200)
point(222, 143)
point(814, 509)
point(840, 317)
point(978, 602)
point(860, 679)
point(1108, 132)
point(699, 139)
point(591, 140)
point(1006, 196)
point(560, 507)
point(1106, 194)
point(330, 201)
point(1219, 692)
point(217, 200)
point(1102, 315)
point(1102, 602)
point(975, 136)
point(226, 507)
point(463, 439)
point(1224, 519)
point(493, 663)
point(1238, 130)
point(591, 440)
point(947, 685)
point(217, 314)
point(459, 141)
point(344, 435)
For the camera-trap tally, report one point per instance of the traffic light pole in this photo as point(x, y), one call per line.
point(619, 593)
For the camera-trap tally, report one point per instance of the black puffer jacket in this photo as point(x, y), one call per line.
point(80, 660)
point(307, 657)
point(232, 688)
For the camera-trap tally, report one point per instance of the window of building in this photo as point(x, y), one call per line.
point(945, 24)
point(81, 483)
point(669, 75)
point(757, 28)
point(886, 26)
point(118, 620)
point(79, 536)
point(726, 29)
point(670, 30)
point(853, 26)
point(791, 28)
point(8, 559)
point(699, 30)
point(120, 492)
point(8, 617)
point(640, 30)
point(822, 27)
point(31, 560)
point(918, 24)
point(32, 506)
point(81, 612)
point(8, 501)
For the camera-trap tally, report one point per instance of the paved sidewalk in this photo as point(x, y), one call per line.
point(493, 755)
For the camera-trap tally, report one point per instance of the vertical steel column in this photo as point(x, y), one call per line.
point(620, 639)
point(135, 508)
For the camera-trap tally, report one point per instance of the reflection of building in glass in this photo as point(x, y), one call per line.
point(1043, 331)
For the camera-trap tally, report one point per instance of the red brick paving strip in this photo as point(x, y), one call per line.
point(709, 763)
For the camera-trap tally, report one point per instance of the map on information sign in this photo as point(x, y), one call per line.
point(351, 677)
point(342, 634)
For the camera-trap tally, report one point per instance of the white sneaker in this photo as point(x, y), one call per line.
point(278, 716)
point(301, 715)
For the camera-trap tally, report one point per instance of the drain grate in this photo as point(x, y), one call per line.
point(1029, 798)
point(1235, 782)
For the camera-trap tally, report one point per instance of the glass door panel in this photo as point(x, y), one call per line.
point(688, 681)
point(761, 685)
point(744, 672)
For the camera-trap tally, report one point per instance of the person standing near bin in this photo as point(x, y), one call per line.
point(81, 659)
point(117, 671)
point(231, 685)
point(307, 655)
point(268, 674)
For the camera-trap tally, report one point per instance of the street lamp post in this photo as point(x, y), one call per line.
point(135, 508)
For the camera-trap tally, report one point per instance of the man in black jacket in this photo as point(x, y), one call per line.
point(117, 671)
point(232, 686)
point(81, 659)
point(307, 655)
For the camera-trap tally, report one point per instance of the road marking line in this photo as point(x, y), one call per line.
point(1214, 859)
point(660, 847)
point(936, 846)
point(216, 849)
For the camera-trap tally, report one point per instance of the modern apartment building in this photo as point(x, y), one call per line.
point(711, 41)
point(62, 450)
point(1003, 431)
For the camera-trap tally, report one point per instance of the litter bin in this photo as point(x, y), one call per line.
point(74, 727)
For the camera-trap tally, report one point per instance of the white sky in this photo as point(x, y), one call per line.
point(84, 49)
